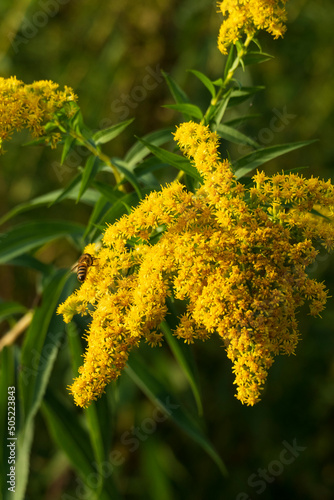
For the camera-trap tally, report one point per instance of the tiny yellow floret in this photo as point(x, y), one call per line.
point(249, 16)
point(32, 106)
point(236, 256)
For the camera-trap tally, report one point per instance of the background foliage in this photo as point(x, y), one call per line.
point(103, 50)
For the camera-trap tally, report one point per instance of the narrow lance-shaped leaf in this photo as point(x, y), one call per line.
point(220, 109)
point(70, 192)
point(253, 160)
point(233, 135)
point(256, 58)
point(9, 411)
point(162, 398)
point(98, 414)
point(179, 95)
point(229, 62)
point(173, 159)
point(88, 174)
point(69, 141)
point(106, 135)
point(187, 110)
point(240, 95)
point(40, 347)
point(27, 236)
point(129, 176)
point(117, 209)
point(70, 188)
point(100, 208)
point(74, 440)
point(181, 358)
point(10, 308)
point(206, 81)
point(138, 151)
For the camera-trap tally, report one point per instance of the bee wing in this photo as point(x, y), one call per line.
point(75, 268)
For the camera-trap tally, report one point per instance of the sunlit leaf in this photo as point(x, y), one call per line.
point(106, 135)
point(24, 237)
point(170, 158)
point(205, 80)
point(253, 160)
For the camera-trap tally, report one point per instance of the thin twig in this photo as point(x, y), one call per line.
point(10, 337)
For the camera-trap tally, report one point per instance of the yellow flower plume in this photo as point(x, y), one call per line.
point(235, 256)
point(31, 106)
point(248, 16)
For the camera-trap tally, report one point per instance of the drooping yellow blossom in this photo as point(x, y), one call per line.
point(248, 16)
point(235, 256)
point(31, 106)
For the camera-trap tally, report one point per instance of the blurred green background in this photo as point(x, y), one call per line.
point(111, 54)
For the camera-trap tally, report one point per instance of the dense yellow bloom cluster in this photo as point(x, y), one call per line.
point(235, 256)
point(31, 106)
point(248, 16)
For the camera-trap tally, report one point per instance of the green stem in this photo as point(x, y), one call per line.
point(228, 77)
point(95, 151)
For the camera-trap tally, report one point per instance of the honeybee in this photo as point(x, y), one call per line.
point(85, 261)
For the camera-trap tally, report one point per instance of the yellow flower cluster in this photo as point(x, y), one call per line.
point(31, 106)
point(248, 16)
point(235, 256)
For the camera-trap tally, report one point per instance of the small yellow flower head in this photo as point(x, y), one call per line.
point(248, 16)
point(31, 106)
point(235, 256)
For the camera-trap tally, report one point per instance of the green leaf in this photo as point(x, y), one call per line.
point(41, 343)
point(7, 384)
point(10, 308)
point(36, 142)
point(69, 189)
point(149, 165)
point(98, 414)
point(187, 110)
point(138, 151)
point(179, 95)
point(132, 179)
point(233, 135)
point(182, 360)
point(69, 141)
point(88, 174)
point(69, 435)
point(205, 80)
point(173, 159)
point(160, 397)
point(26, 260)
point(71, 193)
point(29, 235)
point(157, 463)
point(100, 208)
point(108, 192)
point(39, 350)
point(74, 440)
point(77, 122)
point(242, 119)
point(295, 170)
point(221, 107)
point(106, 135)
point(240, 95)
point(229, 62)
point(120, 207)
point(256, 58)
point(240, 50)
point(253, 160)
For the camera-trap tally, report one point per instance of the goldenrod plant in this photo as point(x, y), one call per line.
point(221, 251)
point(33, 106)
